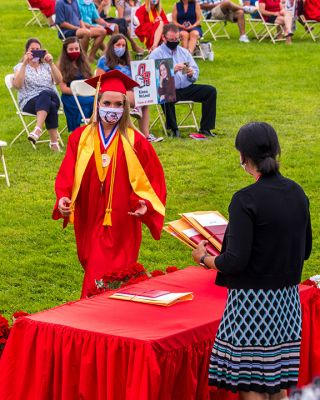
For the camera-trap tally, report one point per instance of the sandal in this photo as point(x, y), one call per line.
point(34, 136)
point(54, 146)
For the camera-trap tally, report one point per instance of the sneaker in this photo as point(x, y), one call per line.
point(244, 38)
point(152, 139)
point(136, 112)
point(249, 9)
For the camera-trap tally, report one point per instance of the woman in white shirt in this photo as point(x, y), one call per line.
point(35, 78)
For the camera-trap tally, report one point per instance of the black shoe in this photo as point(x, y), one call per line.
point(175, 133)
point(207, 133)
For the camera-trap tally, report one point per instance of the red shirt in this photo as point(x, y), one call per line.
point(271, 5)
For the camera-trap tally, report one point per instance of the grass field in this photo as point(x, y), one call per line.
point(274, 83)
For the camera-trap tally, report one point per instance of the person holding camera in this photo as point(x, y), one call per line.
point(35, 78)
point(186, 73)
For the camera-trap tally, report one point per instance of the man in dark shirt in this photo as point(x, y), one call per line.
point(69, 20)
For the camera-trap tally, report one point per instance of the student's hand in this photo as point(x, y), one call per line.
point(141, 210)
point(64, 206)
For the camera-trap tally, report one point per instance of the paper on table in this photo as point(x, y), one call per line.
point(164, 300)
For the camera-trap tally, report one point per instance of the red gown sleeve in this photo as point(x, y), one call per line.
point(145, 26)
point(164, 17)
point(154, 171)
point(64, 179)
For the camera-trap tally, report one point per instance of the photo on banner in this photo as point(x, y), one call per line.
point(156, 81)
point(165, 80)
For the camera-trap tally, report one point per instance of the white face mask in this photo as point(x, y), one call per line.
point(36, 59)
point(242, 163)
point(110, 115)
point(88, 2)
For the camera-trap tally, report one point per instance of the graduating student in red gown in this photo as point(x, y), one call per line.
point(109, 183)
point(151, 19)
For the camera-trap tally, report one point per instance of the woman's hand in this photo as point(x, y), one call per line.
point(64, 206)
point(141, 210)
point(48, 58)
point(27, 57)
point(199, 251)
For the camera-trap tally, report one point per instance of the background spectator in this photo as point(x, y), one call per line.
point(186, 14)
point(273, 12)
point(186, 73)
point(35, 79)
point(124, 8)
point(226, 10)
point(99, 28)
point(74, 65)
point(151, 19)
point(117, 57)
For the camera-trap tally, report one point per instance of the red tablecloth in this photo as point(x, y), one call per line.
point(103, 349)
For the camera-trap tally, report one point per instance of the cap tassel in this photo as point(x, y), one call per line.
point(107, 218)
point(95, 103)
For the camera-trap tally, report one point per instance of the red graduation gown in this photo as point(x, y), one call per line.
point(106, 249)
point(146, 28)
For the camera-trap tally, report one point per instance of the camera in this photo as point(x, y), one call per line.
point(38, 53)
point(185, 68)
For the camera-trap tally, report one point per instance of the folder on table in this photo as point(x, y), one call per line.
point(156, 297)
point(211, 224)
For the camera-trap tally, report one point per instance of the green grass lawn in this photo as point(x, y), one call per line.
point(278, 84)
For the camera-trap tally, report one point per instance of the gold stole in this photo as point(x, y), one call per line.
point(138, 179)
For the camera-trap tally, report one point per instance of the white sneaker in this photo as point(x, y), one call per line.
point(136, 113)
point(244, 39)
point(152, 139)
point(249, 9)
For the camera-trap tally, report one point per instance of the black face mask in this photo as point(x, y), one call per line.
point(172, 45)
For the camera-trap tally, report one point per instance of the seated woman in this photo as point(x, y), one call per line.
point(151, 19)
point(74, 65)
point(166, 89)
point(273, 11)
point(186, 14)
point(117, 57)
point(47, 7)
point(35, 78)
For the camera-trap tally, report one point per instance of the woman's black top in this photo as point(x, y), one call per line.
point(268, 236)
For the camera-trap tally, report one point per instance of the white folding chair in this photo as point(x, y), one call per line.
point(5, 175)
point(216, 28)
point(190, 113)
point(36, 15)
point(57, 27)
point(267, 30)
point(311, 27)
point(24, 115)
point(81, 88)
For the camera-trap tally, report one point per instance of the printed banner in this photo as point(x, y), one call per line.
point(156, 81)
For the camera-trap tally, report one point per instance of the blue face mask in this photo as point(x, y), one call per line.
point(119, 51)
point(88, 2)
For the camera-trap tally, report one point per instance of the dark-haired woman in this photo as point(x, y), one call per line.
point(167, 89)
point(117, 56)
point(186, 14)
point(257, 346)
point(35, 78)
point(74, 65)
